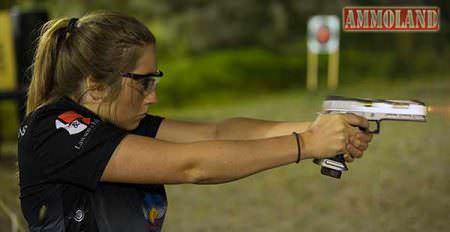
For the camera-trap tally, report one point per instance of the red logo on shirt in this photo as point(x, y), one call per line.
point(72, 122)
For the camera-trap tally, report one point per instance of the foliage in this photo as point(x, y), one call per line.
point(240, 71)
point(228, 70)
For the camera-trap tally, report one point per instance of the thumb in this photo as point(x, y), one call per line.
point(356, 120)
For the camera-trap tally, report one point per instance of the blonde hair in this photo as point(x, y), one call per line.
point(100, 46)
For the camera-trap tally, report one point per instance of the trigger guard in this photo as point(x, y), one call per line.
point(377, 130)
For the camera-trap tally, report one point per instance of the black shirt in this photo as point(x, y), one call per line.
point(63, 150)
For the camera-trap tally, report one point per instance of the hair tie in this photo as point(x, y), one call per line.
point(72, 25)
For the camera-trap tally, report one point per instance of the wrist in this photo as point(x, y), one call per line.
point(305, 143)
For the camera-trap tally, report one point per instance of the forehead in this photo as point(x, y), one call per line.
point(147, 62)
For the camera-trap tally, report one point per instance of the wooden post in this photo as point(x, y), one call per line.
point(312, 70)
point(333, 70)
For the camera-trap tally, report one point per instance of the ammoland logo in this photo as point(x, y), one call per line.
point(422, 18)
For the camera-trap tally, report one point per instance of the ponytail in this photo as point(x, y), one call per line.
point(44, 64)
point(99, 45)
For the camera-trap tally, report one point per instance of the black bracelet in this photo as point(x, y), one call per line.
point(297, 136)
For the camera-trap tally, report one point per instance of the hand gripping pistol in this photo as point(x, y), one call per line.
point(374, 110)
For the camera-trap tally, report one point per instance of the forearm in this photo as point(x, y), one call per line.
point(246, 128)
point(139, 159)
point(224, 161)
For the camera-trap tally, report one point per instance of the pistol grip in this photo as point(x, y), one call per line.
point(332, 167)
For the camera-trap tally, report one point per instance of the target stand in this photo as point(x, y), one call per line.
point(323, 38)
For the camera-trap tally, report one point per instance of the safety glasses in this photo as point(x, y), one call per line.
point(147, 81)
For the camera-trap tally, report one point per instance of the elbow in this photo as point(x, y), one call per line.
point(202, 167)
point(200, 177)
point(194, 178)
point(196, 175)
point(192, 173)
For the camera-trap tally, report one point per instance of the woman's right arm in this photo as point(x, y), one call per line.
point(140, 159)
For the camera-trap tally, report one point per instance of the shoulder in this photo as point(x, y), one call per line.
point(54, 116)
point(63, 122)
point(60, 139)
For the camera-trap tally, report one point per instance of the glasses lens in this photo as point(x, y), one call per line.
point(148, 84)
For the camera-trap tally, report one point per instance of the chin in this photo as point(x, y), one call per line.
point(131, 126)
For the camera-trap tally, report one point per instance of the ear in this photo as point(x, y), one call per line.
point(95, 90)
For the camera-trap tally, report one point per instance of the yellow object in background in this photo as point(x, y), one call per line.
point(333, 70)
point(7, 57)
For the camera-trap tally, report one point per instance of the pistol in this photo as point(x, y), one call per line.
point(374, 110)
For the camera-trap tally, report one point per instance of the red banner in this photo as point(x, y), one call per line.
point(421, 18)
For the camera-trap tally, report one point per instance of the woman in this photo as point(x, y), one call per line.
point(91, 159)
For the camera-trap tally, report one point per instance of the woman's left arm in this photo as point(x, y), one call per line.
point(228, 129)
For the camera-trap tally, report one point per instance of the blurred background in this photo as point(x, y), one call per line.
point(248, 58)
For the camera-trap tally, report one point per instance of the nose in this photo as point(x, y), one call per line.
point(151, 98)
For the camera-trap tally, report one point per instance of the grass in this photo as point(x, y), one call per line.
point(401, 184)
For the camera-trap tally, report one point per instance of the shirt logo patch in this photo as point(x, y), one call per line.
point(22, 131)
point(154, 208)
point(79, 215)
point(72, 122)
